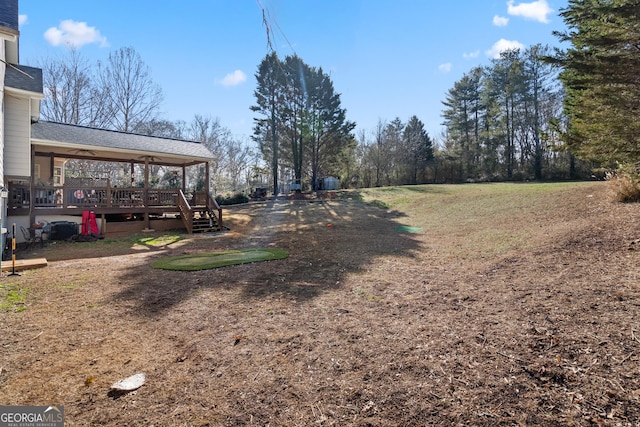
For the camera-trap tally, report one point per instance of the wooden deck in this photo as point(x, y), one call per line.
point(198, 210)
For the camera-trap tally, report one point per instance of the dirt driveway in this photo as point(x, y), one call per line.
point(365, 324)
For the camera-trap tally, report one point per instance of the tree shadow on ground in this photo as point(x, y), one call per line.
point(357, 196)
point(63, 250)
point(326, 240)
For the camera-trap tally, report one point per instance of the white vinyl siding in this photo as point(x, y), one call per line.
point(17, 149)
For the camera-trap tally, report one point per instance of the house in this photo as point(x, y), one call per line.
point(34, 156)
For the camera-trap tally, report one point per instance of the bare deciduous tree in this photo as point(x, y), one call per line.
point(237, 162)
point(160, 127)
point(130, 93)
point(71, 94)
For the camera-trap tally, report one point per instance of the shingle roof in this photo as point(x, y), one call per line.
point(17, 80)
point(9, 14)
point(115, 141)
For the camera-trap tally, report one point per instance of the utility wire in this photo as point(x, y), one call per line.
point(269, 21)
point(16, 68)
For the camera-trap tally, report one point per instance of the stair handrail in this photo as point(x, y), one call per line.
point(186, 211)
point(213, 207)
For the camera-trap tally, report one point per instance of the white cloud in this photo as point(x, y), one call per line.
point(74, 34)
point(445, 68)
point(471, 55)
point(22, 19)
point(503, 45)
point(537, 10)
point(234, 79)
point(500, 21)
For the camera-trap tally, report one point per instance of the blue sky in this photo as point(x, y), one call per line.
point(388, 58)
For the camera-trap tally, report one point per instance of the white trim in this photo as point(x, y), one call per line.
point(9, 34)
point(24, 93)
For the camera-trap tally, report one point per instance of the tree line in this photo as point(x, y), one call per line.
point(504, 122)
point(565, 113)
point(539, 113)
point(530, 114)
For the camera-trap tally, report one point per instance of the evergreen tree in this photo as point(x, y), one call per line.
point(294, 102)
point(462, 119)
point(600, 75)
point(509, 87)
point(419, 149)
point(268, 101)
point(326, 127)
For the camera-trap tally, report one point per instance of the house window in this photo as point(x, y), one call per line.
point(36, 171)
point(57, 175)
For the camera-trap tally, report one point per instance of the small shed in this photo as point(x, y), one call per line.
point(330, 183)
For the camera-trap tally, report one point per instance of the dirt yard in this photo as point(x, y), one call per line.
point(530, 317)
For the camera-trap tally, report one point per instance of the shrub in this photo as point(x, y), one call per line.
point(236, 199)
point(625, 185)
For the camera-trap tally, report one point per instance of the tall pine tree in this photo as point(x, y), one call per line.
point(268, 101)
point(600, 74)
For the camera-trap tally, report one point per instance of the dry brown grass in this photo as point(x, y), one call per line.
point(625, 187)
point(515, 305)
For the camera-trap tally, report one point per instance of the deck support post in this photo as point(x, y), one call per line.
point(147, 220)
point(207, 180)
point(184, 179)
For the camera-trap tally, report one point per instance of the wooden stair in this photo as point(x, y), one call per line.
point(203, 221)
point(204, 217)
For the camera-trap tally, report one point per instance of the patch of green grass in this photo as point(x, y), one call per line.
point(12, 298)
point(143, 240)
point(408, 229)
point(148, 240)
point(164, 240)
point(219, 259)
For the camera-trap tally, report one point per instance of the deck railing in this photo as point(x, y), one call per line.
point(89, 197)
